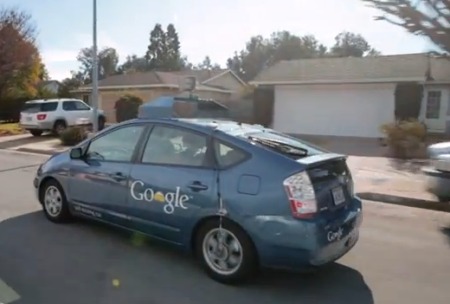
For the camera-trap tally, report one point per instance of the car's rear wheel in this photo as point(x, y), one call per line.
point(54, 202)
point(101, 123)
point(36, 132)
point(59, 127)
point(226, 253)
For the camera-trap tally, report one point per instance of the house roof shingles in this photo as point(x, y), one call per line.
point(157, 78)
point(350, 69)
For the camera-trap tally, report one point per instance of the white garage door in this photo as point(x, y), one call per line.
point(334, 110)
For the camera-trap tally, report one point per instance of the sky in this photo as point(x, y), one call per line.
point(205, 27)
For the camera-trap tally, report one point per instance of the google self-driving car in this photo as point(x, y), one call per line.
point(240, 197)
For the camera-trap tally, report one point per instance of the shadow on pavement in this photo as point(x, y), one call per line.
point(79, 262)
point(412, 165)
point(24, 141)
point(446, 232)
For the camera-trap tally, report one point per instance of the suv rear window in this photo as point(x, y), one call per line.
point(35, 107)
point(284, 144)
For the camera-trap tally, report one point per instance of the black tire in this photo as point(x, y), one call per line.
point(59, 127)
point(36, 132)
point(249, 263)
point(443, 199)
point(101, 123)
point(63, 216)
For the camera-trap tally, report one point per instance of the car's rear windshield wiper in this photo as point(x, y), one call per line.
point(280, 146)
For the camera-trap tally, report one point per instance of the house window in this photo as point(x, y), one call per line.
point(86, 98)
point(433, 105)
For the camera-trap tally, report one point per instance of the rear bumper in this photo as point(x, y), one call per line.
point(38, 126)
point(287, 243)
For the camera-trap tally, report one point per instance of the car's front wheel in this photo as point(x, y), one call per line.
point(54, 202)
point(226, 253)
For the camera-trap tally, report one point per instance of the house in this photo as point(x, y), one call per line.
point(221, 85)
point(51, 85)
point(353, 97)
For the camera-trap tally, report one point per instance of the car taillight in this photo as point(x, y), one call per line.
point(41, 116)
point(301, 195)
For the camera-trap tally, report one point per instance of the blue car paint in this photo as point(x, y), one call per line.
point(251, 191)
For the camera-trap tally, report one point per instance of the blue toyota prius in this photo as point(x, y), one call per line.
point(239, 196)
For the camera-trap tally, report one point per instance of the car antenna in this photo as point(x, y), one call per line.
point(222, 211)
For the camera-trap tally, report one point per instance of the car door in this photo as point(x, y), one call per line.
point(75, 110)
point(173, 183)
point(98, 183)
point(83, 110)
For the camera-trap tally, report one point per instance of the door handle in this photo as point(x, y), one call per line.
point(197, 186)
point(118, 176)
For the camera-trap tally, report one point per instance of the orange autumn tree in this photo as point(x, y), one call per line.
point(21, 67)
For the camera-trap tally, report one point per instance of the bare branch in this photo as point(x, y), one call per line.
point(429, 18)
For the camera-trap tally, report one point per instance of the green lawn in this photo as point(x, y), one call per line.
point(10, 129)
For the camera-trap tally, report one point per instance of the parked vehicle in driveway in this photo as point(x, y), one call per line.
point(55, 115)
point(438, 174)
point(238, 196)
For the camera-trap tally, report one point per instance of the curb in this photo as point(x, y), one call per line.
point(36, 151)
point(405, 201)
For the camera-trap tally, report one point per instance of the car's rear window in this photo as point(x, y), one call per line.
point(284, 144)
point(35, 107)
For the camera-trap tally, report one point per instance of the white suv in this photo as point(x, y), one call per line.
point(55, 115)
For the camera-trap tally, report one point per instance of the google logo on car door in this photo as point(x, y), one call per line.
point(172, 200)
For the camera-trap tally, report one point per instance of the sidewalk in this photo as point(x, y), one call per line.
point(379, 179)
point(49, 147)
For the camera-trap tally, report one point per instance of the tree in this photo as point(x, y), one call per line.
point(133, 63)
point(20, 62)
point(352, 45)
point(69, 84)
point(174, 61)
point(163, 52)
point(428, 18)
point(156, 55)
point(207, 64)
point(261, 52)
point(108, 60)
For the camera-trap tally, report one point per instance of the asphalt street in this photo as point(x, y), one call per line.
point(403, 256)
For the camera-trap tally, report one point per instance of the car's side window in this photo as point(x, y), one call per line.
point(74, 105)
point(80, 106)
point(117, 145)
point(226, 155)
point(175, 146)
point(69, 106)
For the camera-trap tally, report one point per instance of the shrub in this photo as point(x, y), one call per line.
point(72, 136)
point(405, 138)
point(127, 107)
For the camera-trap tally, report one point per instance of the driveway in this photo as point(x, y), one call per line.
point(403, 257)
point(7, 142)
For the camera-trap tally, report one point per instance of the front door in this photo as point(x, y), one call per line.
point(173, 185)
point(98, 184)
point(435, 111)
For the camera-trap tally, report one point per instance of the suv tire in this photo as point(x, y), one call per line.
point(59, 127)
point(36, 133)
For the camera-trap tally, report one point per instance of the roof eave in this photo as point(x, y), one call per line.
point(146, 86)
point(345, 81)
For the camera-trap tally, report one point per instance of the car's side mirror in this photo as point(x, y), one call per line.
point(76, 153)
